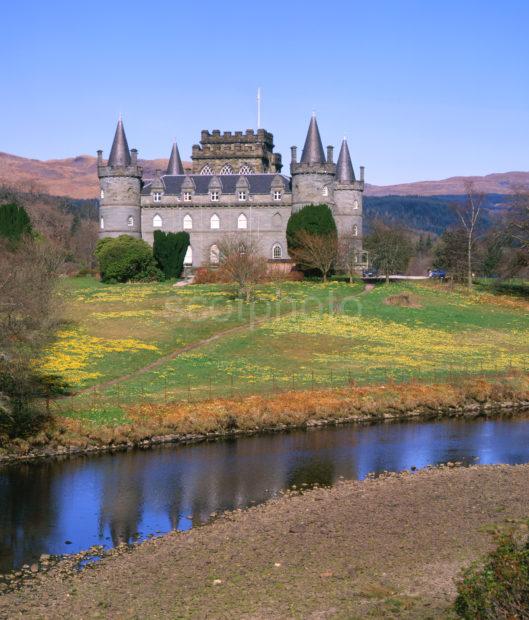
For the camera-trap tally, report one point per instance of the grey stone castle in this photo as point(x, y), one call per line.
point(235, 186)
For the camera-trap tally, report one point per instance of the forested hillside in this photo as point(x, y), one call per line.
point(431, 214)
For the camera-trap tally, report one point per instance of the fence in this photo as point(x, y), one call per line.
point(117, 396)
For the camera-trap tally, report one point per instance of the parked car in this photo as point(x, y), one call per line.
point(437, 273)
point(369, 273)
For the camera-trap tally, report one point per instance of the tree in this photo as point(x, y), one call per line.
point(348, 259)
point(169, 250)
point(517, 229)
point(450, 253)
point(314, 219)
point(124, 258)
point(468, 213)
point(389, 249)
point(28, 317)
point(241, 260)
point(313, 251)
point(14, 222)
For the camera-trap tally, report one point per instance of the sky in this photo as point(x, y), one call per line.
point(422, 89)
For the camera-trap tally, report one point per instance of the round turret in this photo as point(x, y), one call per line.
point(120, 184)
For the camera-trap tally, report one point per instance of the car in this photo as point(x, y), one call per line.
point(437, 273)
point(369, 273)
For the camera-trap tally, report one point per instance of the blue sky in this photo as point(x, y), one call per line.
point(422, 89)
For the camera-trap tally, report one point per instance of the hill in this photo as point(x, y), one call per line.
point(76, 177)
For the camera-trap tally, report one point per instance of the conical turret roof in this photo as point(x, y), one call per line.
point(175, 163)
point(313, 149)
point(119, 154)
point(344, 166)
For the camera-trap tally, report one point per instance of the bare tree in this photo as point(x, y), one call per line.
point(468, 213)
point(240, 258)
point(518, 222)
point(348, 258)
point(390, 249)
point(315, 251)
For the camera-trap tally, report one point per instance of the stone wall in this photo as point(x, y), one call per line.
point(267, 223)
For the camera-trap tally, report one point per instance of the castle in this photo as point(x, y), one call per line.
point(235, 186)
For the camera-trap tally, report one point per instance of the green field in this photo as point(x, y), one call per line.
point(294, 335)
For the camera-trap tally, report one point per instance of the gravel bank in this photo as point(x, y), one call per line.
point(388, 547)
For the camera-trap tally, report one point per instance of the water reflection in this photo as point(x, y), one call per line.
point(66, 506)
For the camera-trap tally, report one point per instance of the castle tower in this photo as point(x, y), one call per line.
point(175, 163)
point(120, 183)
point(348, 192)
point(313, 176)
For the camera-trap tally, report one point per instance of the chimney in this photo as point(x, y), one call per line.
point(330, 150)
point(133, 157)
point(362, 168)
point(100, 157)
point(294, 151)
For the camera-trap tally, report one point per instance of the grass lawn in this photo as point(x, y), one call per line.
point(301, 335)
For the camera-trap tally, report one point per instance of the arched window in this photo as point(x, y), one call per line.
point(325, 191)
point(226, 169)
point(188, 222)
point(245, 169)
point(214, 222)
point(130, 221)
point(242, 221)
point(102, 223)
point(355, 230)
point(277, 252)
point(277, 220)
point(188, 258)
point(157, 221)
point(206, 170)
point(214, 255)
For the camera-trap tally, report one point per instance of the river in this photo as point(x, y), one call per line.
point(68, 505)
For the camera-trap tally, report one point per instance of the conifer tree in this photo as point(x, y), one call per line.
point(169, 250)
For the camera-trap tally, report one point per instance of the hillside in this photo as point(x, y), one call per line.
point(76, 177)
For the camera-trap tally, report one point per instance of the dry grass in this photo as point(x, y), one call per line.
point(288, 409)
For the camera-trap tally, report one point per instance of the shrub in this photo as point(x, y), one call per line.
point(499, 588)
point(169, 250)
point(124, 259)
point(14, 222)
point(313, 219)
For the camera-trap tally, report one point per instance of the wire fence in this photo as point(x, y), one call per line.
point(233, 386)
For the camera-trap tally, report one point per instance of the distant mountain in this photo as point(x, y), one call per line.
point(77, 177)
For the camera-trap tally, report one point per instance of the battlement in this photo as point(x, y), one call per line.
point(250, 150)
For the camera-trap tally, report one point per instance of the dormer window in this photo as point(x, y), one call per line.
point(277, 194)
point(187, 196)
point(242, 196)
point(157, 196)
point(214, 195)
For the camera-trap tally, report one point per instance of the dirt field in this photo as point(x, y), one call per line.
point(385, 548)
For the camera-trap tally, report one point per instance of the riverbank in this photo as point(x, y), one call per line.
point(212, 419)
point(383, 548)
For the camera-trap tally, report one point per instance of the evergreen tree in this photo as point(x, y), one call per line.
point(14, 222)
point(169, 250)
point(313, 219)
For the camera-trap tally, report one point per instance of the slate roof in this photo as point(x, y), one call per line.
point(259, 183)
point(175, 163)
point(344, 166)
point(313, 149)
point(119, 154)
